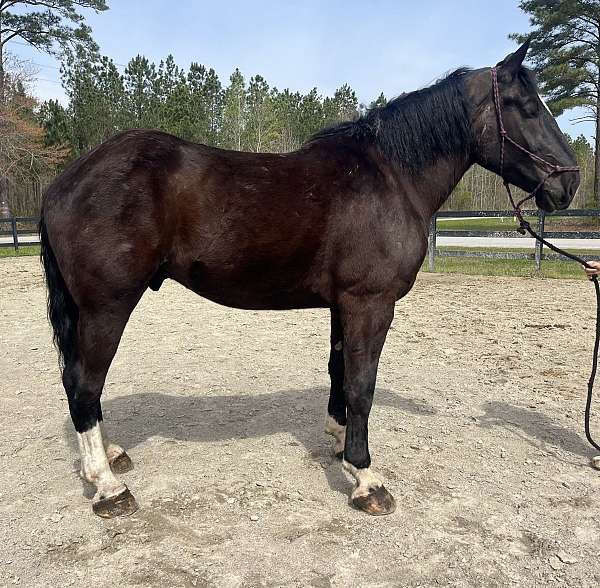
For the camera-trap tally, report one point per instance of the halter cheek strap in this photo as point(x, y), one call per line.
point(551, 168)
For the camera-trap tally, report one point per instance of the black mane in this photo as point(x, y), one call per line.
point(417, 128)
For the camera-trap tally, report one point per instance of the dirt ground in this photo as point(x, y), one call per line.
point(477, 429)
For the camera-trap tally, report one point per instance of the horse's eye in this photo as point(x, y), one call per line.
point(531, 109)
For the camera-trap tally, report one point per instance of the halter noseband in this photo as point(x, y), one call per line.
point(504, 136)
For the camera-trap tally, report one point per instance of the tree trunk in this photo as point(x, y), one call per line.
point(1, 74)
point(597, 156)
point(3, 195)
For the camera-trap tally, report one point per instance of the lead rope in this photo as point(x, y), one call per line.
point(524, 227)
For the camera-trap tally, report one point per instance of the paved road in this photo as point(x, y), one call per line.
point(24, 240)
point(516, 243)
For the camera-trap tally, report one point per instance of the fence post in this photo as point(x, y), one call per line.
point(539, 246)
point(13, 224)
point(431, 242)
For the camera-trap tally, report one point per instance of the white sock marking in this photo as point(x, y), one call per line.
point(94, 464)
point(332, 427)
point(366, 479)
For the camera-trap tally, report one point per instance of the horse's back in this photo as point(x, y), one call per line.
point(235, 227)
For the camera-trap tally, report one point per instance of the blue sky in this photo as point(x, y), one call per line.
point(378, 45)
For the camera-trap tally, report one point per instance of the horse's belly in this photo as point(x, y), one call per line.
point(258, 288)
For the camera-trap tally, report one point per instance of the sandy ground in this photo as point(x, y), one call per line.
point(477, 429)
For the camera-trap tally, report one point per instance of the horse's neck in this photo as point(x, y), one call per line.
point(433, 185)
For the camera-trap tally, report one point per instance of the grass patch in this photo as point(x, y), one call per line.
point(481, 224)
point(523, 268)
point(23, 251)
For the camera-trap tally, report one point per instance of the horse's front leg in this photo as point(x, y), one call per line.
point(365, 323)
point(335, 423)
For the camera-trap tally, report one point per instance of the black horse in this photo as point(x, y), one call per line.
point(341, 223)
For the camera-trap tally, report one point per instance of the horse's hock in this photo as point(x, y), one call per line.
point(476, 427)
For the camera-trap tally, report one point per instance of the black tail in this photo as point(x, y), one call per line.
point(62, 310)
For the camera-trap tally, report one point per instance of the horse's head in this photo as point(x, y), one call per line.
point(535, 150)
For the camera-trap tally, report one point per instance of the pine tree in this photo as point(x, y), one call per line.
point(380, 101)
point(96, 97)
point(139, 85)
point(565, 51)
point(310, 115)
point(57, 25)
point(342, 106)
point(260, 130)
point(56, 123)
point(286, 107)
point(213, 102)
point(196, 81)
point(234, 112)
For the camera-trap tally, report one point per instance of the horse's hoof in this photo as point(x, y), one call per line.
point(377, 502)
point(596, 462)
point(120, 505)
point(121, 464)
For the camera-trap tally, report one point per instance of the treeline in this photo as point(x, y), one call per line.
point(193, 104)
point(243, 114)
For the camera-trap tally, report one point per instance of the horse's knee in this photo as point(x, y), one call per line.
point(359, 400)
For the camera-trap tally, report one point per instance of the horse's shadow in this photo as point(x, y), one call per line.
point(132, 419)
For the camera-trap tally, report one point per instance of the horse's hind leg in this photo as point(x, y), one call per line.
point(365, 323)
point(335, 423)
point(119, 461)
point(98, 335)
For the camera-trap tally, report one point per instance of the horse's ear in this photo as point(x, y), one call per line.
point(512, 63)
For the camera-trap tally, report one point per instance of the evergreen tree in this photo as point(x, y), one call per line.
point(56, 123)
point(213, 103)
point(286, 108)
point(206, 104)
point(234, 112)
point(96, 97)
point(196, 81)
point(56, 26)
point(260, 132)
point(139, 86)
point(380, 101)
point(310, 115)
point(565, 51)
point(342, 106)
